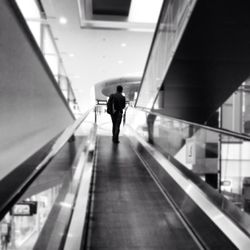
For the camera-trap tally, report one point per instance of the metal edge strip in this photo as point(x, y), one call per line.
point(216, 130)
point(59, 143)
point(76, 227)
point(236, 235)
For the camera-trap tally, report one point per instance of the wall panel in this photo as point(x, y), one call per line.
point(32, 109)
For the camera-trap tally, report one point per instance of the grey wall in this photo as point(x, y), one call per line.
point(32, 110)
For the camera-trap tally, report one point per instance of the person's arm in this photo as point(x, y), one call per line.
point(110, 104)
point(124, 103)
point(110, 98)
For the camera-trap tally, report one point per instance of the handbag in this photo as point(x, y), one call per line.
point(110, 105)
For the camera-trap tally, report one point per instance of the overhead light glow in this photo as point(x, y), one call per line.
point(123, 44)
point(29, 9)
point(71, 54)
point(142, 11)
point(63, 20)
point(65, 204)
point(120, 61)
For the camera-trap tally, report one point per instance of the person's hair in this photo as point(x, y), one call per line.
point(119, 88)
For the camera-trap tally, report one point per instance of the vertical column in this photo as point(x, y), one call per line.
point(237, 112)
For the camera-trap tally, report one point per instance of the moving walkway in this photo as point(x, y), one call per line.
point(123, 196)
point(79, 191)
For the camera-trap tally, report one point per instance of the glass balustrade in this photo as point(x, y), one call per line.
point(49, 200)
point(40, 29)
point(173, 19)
point(220, 159)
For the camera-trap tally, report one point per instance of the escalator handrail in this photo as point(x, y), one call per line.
point(63, 138)
point(221, 131)
point(218, 200)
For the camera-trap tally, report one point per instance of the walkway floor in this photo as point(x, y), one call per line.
point(129, 210)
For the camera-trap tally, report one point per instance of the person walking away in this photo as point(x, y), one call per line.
point(115, 106)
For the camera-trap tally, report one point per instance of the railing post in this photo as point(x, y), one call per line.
point(219, 151)
point(95, 114)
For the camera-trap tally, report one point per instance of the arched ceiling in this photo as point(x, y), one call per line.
point(94, 48)
point(105, 88)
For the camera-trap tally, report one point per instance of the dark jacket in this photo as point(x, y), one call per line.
point(119, 101)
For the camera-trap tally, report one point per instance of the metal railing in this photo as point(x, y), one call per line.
point(202, 161)
point(62, 139)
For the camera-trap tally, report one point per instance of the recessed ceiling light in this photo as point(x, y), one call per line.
point(63, 20)
point(123, 44)
point(144, 11)
point(71, 54)
point(120, 61)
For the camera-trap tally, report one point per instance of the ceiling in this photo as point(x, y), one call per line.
point(98, 47)
point(105, 88)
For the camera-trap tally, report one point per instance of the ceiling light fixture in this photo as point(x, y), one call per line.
point(120, 62)
point(63, 20)
point(123, 44)
point(145, 11)
point(71, 54)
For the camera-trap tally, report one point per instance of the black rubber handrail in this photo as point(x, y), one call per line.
point(7, 204)
point(234, 213)
point(216, 130)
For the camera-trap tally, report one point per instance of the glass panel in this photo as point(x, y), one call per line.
point(246, 107)
point(44, 38)
point(52, 191)
point(64, 86)
point(50, 52)
point(52, 60)
point(206, 153)
point(235, 111)
point(175, 15)
point(32, 15)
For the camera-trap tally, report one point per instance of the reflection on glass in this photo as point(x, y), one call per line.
point(173, 20)
point(52, 190)
point(20, 228)
point(50, 52)
point(32, 15)
point(235, 111)
point(64, 86)
point(219, 160)
point(44, 38)
point(235, 171)
point(150, 124)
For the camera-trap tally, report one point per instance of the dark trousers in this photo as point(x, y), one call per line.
point(116, 120)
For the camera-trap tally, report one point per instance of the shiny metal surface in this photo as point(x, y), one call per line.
point(52, 185)
point(84, 176)
point(195, 154)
